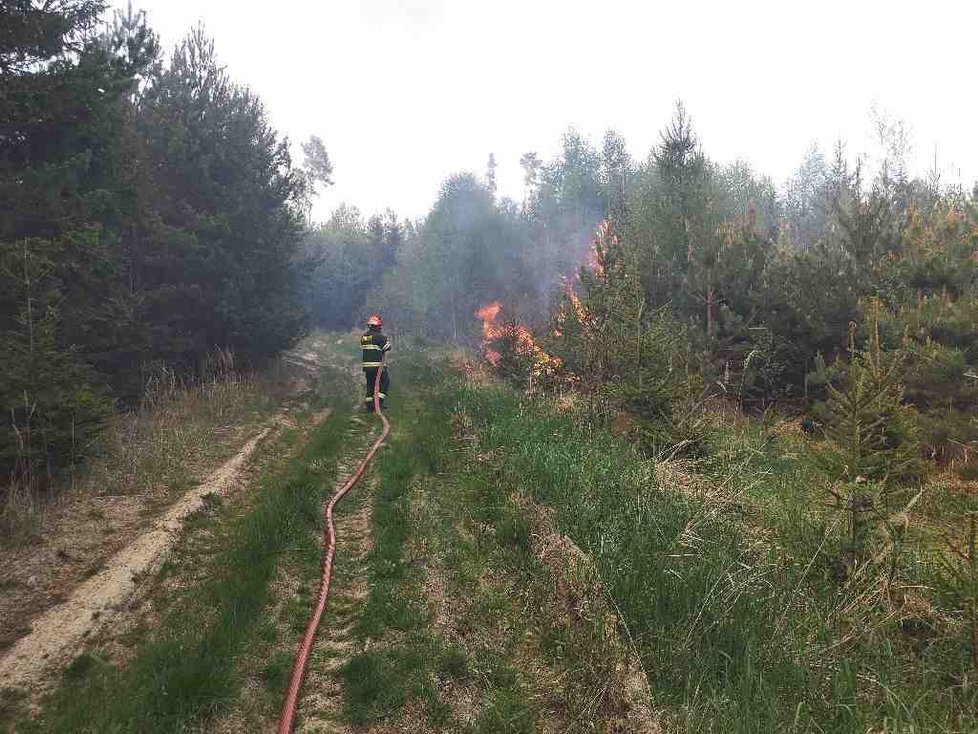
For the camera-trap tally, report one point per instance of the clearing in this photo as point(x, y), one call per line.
point(508, 566)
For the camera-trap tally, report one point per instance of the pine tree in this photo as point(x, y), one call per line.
point(872, 433)
point(873, 447)
point(227, 217)
point(63, 305)
point(53, 406)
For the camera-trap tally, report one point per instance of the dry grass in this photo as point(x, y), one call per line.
point(476, 371)
point(55, 540)
point(211, 600)
point(180, 430)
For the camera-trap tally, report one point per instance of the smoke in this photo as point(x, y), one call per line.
point(558, 261)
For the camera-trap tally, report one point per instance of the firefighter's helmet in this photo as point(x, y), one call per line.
point(375, 322)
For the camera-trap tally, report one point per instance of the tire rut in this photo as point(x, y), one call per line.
point(321, 706)
point(59, 632)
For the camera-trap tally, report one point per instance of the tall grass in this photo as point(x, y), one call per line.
point(739, 627)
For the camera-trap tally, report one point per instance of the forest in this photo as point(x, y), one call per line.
point(661, 283)
point(751, 406)
point(150, 228)
point(156, 225)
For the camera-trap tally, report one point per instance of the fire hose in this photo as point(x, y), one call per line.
point(287, 717)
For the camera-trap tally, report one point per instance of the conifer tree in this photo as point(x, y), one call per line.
point(872, 432)
point(63, 307)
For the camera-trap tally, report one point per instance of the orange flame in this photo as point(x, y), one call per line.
point(584, 316)
point(524, 343)
point(604, 239)
point(491, 330)
point(596, 263)
point(579, 310)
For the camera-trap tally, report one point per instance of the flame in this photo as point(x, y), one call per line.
point(596, 262)
point(579, 309)
point(489, 314)
point(491, 330)
point(584, 316)
point(604, 240)
point(524, 343)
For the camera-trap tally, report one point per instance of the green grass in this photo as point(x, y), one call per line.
point(393, 601)
point(378, 682)
point(729, 598)
point(441, 510)
point(730, 601)
point(736, 632)
point(182, 675)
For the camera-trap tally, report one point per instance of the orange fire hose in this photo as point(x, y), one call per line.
point(287, 717)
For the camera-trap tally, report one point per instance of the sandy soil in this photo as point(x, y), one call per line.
point(58, 633)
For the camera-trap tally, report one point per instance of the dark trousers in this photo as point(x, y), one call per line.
point(370, 375)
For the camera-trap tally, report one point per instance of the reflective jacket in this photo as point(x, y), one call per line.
point(374, 345)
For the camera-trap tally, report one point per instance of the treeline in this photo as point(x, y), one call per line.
point(472, 247)
point(708, 279)
point(150, 217)
point(344, 259)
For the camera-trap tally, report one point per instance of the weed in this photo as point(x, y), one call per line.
point(81, 667)
point(969, 471)
point(374, 686)
point(508, 713)
point(454, 663)
point(962, 575)
point(10, 698)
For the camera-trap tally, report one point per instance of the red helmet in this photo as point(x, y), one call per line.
point(375, 322)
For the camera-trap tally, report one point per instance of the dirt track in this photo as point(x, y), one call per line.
point(57, 634)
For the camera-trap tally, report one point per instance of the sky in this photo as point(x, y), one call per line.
point(406, 92)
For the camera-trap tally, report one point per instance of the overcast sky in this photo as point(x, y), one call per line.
point(405, 92)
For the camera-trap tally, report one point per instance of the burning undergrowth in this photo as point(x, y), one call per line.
point(510, 346)
point(604, 342)
point(512, 350)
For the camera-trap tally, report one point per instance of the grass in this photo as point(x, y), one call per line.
point(728, 595)
point(155, 450)
point(462, 629)
point(176, 430)
point(740, 626)
point(183, 673)
point(379, 682)
point(723, 589)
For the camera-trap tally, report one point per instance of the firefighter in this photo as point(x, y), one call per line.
point(375, 347)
